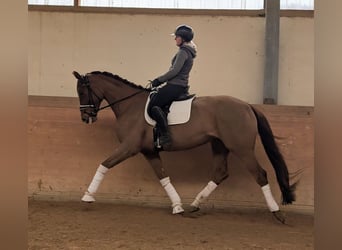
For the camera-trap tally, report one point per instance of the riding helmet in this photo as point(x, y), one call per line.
point(185, 32)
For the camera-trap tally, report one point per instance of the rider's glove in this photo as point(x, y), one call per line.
point(155, 83)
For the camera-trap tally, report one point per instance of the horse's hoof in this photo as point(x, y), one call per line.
point(194, 209)
point(279, 216)
point(88, 198)
point(193, 212)
point(188, 214)
point(177, 209)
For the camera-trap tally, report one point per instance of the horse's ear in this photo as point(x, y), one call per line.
point(77, 75)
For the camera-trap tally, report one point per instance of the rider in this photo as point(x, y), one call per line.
point(176, 81)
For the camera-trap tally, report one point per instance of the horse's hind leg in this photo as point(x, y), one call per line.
point(155, 161)
point(220, 154)
point(248, 158)
point(220, 172)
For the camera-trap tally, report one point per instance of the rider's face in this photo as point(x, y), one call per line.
point(179, 40)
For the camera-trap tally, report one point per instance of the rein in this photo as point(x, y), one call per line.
point(120, 100)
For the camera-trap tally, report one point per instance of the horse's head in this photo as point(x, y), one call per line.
point(89, 100)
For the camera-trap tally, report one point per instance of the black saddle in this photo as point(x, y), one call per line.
point(184, 97)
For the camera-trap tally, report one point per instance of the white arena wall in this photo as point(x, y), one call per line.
point(139, 48)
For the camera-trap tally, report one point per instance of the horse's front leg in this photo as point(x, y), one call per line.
point(156, 164)
point(120, 154)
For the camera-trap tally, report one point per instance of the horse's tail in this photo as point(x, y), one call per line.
point(276, 158)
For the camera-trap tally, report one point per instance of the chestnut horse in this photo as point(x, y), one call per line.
point(230, 125)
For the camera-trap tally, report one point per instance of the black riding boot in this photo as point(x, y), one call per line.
point(159, 116)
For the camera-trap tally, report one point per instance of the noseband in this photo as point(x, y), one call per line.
point(91, 93)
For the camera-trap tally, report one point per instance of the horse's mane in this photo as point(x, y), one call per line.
point(116, 77)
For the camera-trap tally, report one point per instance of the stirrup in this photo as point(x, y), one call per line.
point(157, 144)
point(165, 141)
point(160, 146)
point(158, 138)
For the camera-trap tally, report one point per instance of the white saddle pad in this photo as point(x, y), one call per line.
point(179, 112)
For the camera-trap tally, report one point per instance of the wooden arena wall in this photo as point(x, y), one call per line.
point(64, 153)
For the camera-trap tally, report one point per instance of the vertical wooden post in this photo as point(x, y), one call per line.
point(76, 3)
point(272, 10)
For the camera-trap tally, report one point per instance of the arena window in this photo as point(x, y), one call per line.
point(52, 2)
point(180, 4)
point(177, 4)
point(297, 4)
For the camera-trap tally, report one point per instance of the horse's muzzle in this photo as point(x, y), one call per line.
point(86, 118)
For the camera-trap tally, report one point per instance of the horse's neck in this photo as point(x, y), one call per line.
point(118, 91)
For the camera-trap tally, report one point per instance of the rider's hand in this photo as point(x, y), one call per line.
point(155, 83)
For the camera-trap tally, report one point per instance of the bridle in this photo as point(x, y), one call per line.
point(91, 93)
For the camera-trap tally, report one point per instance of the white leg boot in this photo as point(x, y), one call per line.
point(271, 203)
point(97, 179)
point(204, 194)
point(173, 195)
